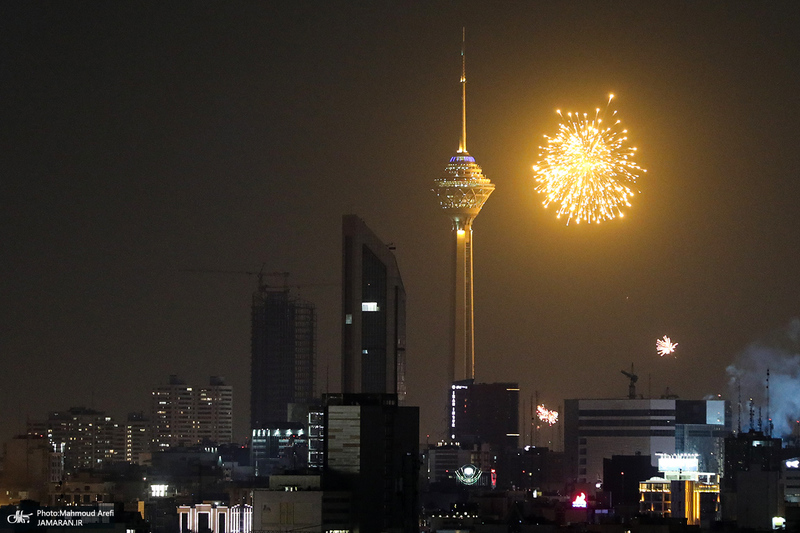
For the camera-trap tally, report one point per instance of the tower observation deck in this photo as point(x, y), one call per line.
point(462, 190)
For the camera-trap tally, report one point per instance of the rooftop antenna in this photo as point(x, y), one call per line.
point(769, 418)
point(739, 384)
point(462, 145)
point(535, 423)
point(752, 415)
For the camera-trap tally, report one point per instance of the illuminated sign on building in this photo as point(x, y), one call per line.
point(158, 491)
point(580, 501)
point(454, 388)
point(793, 463)
point(674, 462)
point(468, 474)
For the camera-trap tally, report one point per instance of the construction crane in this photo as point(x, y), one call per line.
point(632, 386)
point(262, 287)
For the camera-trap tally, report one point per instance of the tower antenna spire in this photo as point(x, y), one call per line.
point(462, 146)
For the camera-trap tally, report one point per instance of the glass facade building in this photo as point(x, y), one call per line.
point(373, 312)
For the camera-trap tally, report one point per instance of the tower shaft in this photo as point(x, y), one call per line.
point(462, 311)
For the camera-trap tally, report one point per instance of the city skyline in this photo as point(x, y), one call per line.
point(142, 143)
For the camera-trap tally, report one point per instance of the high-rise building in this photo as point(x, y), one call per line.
point(599, 429)
point(485, 413)
point(138, 437)
point(185, 415)
point(462, 191)
point(371, 457)
point(283, 348)
point(89, 439)
point(215, 412)
point(752, 492)
point(374, 313)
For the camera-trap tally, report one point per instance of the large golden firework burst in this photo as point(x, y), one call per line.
point(586, 169)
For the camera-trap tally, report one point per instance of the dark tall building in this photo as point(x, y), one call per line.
point(282, 358)
point(530, 468)
point(374, 313)
point(751, 490)
point(485, 413)
point(621, 477)
point(371, 463)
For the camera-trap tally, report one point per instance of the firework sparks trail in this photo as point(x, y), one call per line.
point(546, 415)
point(586, 169)
point(665, 346)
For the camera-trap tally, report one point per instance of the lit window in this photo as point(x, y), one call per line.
point(369, 306)
point(348, 318)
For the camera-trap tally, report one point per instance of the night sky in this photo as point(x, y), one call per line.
point(141, 140)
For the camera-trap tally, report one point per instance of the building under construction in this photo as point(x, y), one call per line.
point(283, 349)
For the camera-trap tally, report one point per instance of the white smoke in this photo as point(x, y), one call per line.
point(780, 353)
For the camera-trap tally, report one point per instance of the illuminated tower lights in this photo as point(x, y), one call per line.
point(462, 190)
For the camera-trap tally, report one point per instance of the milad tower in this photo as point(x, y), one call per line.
point(462, 191)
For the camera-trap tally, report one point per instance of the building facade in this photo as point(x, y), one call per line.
point(752, 490)
point(599, 429)
point(484, 413)
point(791, 480)
point(183, 415)
point(28, 468)
point(89, 439)
point(283, 351)
point(371, 463)
point(374, 314)
point(278, 449)
point(138, 437)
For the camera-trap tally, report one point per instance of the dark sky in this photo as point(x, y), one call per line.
point(141, 139)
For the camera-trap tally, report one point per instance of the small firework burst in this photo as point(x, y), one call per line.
point(665, 346)
point(546, 415)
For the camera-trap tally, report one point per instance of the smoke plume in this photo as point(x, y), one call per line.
point(780, 353)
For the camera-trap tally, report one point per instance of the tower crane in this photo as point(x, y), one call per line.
point(632, 386)
point(261, 275)
point(262, 287)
